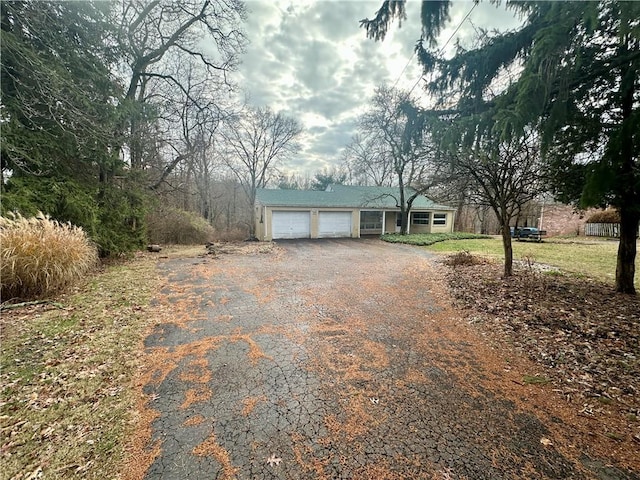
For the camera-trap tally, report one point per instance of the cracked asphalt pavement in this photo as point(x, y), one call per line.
point(332, 359)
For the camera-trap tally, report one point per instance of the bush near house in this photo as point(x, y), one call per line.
point(40, 256)
point(168, 225)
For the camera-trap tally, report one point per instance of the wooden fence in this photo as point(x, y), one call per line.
point(611, 230)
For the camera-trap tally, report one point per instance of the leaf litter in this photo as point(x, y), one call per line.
point(66, 406)
point(583, 338)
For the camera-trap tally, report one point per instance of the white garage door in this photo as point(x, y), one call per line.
point(334, 224)
point(290, 225)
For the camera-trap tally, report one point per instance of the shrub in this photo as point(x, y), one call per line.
point(605, 216)
point(40, 256)
point(425, 239)
point(121, 227)
point(233, 234)
point(111, 215)
point(463, 257)
point(175, 226)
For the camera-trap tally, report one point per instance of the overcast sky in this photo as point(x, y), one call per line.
point(312, 60)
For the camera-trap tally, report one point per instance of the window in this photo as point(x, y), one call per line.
point(439, 218)
point(421, 218)
point(370, 220)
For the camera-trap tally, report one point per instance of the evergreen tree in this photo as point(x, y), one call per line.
point(57, 90)
point(59, 112)
point(326, 177)
point(578, 84)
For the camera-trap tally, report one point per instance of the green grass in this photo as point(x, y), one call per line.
point(580, 256)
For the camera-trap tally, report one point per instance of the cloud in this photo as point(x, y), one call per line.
point(313, 61)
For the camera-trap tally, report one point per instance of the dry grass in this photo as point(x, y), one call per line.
point(40, 256)
point(463, 257)
point(66, 405)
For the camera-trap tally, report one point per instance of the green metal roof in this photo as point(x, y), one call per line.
point(346, 196)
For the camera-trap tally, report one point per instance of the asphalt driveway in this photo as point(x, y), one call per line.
point(335, 359)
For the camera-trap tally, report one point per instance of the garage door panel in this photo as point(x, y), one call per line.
point(290, 224)
point(334, 224)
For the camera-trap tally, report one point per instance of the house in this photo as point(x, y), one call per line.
point(343, 211)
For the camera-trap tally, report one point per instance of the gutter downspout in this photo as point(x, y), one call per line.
point(265, 235)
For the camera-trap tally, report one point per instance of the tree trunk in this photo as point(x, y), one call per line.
point(508, 249)
point(629, 212)
point(625, 268)
point(404, 220)
point(403, 206)
point(252, 203)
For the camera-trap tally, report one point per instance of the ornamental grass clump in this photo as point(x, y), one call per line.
point(40, 256)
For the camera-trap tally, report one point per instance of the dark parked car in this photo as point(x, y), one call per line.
point(527, 233)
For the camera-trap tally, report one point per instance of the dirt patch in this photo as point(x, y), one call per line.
point(583, 338)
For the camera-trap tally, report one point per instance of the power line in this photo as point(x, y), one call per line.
point(405, 67)
point(441, 51)
point(475, 4)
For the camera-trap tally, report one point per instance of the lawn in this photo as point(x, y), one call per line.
point(581, 256)
point(66, 404)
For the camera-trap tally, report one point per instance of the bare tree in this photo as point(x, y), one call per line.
point(391, 119)
point(368, 161)
point(227, 212)
point(294, 181)
point(153, 33)
point(257, 141)
point(504, 176)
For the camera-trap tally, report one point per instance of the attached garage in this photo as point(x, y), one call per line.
point(334, 224)
point(342, 211)
point(289, 224)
